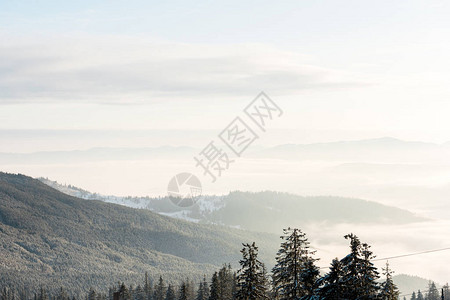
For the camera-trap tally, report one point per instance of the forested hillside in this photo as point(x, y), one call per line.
point(270, 210)
point(294, 276)
point(51, 238)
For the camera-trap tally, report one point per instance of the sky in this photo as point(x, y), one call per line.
point(81, 74)
point(374, 68)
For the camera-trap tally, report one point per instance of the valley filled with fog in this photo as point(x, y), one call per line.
point(413, 176)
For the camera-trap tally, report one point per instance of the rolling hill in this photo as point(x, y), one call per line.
point(47, 237)
point(53, 239)
point(263, 211)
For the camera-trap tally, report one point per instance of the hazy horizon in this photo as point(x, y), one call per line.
point(117, 98)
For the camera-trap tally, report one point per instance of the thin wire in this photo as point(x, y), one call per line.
point(411, 254)
point(405, 255)
point(378, 259)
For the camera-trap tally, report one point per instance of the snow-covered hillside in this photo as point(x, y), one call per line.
point(205, 205)
point(270, 211)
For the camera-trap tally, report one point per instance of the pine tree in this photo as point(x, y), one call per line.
point(369, 274)
point(190, 290)
point(147, 288)
point(139, 293)
point(251, 279)
point(433, 293)
point(360, 275)
point(160, 290)
point(24, 293)
point(92, 294)
point(131, 292)
point(309, 278)
point(419, 295)
point(389, 290)
point(292, 258)
point(7, 294)
point(413, 296)
point(214, 290)
point(183, 292)
point(124, 293)
point(203, 290)
point(200, 295)
point(331, 284)
point(446, 289)
point(62, 294)
point(111, 292)
point(351, 264)
point(234, 286)
point(227, 283)
point(42, 294)
point(267, 283)
point(170, 294)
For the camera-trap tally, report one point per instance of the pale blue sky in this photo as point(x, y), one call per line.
point(373, 66)
point(180, 71)
point(286, 22)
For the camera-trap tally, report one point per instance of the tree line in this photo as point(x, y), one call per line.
point(433, 293)
point(295, 276)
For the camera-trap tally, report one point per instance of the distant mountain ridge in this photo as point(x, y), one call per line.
point(378, 149)
point(270, 211)
point(384, 149)
point(96, 154)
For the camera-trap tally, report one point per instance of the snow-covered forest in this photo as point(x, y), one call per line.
point(294, 276)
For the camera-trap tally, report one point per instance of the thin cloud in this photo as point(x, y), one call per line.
point(122, 71)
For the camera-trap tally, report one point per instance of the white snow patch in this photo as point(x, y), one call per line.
point(182, 214)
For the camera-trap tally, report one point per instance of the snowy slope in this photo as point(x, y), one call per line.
point(264, 211)
point(205, 205)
